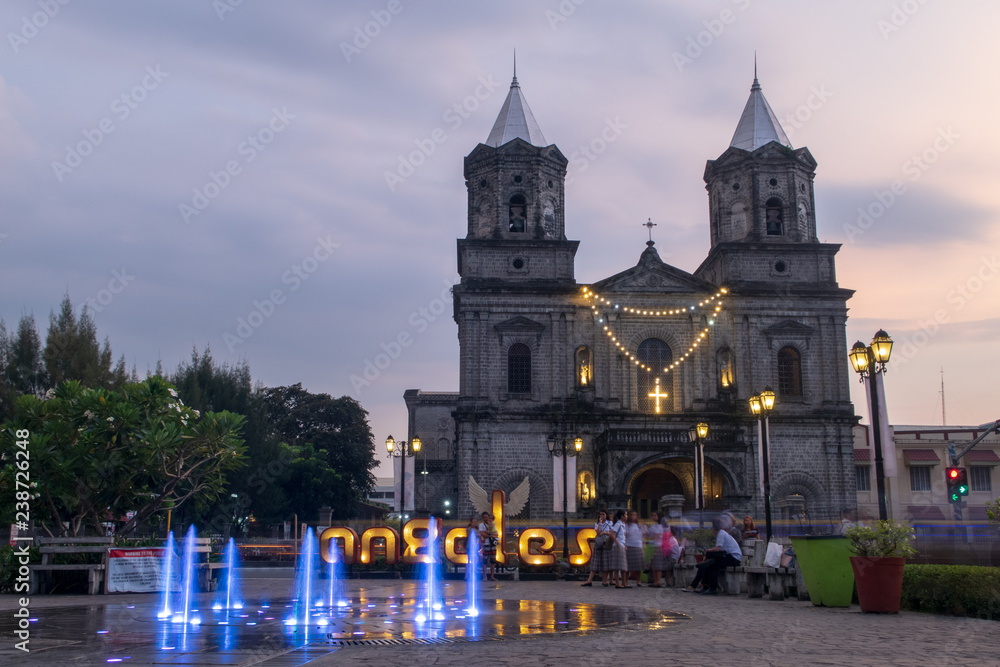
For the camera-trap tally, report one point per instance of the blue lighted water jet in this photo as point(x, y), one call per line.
point(306, 593)
point(472, 573)
point(230, 594)
point(169, 572)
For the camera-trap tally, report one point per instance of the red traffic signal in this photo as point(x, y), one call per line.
point(953, 474)
point(952, 477)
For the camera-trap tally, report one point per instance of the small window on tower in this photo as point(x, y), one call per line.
point(773, 217)
point(584, 367)
point(519, 369)
point(727, 370)
point(789, 371)
point(518, 212)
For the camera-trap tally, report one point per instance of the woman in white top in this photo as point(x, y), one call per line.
point(599, 557)
point(619, 562)
point(633, 548)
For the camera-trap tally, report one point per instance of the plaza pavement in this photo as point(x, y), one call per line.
point(722, 630)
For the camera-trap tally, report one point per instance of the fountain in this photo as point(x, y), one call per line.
point(305, 581)
point(169, 563)
point(472, 574)
point(230, 593)
point(335, 568)
point(189, 584)
point(433, 602)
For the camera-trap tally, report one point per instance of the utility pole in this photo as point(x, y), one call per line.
point(944, 420)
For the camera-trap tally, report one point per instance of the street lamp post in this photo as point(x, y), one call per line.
point(697, 435)
point(564, 452)
point(761, 406)
point(402, 451)
point(869, 362)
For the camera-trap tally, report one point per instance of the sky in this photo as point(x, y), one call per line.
point(283, 182)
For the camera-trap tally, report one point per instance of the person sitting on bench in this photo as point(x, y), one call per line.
point(725, 553)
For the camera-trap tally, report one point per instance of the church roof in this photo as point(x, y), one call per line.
point(758, 125)
point(515, 121)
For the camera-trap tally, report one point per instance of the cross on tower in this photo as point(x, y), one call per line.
point(649, 224)
point(656, 395)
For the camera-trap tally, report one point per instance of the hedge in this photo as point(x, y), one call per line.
point(957, 590)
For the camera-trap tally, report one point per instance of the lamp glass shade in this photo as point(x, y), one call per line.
point(767, 399)
point(755, 405)
point(415, 445)
point(578, 444)
point(859, 357)
point(390, 444)
point(551, 442)
point(702, 430)
point(881, 346)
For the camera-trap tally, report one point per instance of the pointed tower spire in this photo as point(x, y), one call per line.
point(515, 120)
point(758, 125)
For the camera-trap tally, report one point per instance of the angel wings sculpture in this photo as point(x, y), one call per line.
point(516, 501)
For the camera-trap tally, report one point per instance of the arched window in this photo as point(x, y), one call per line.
point(584, 367)
point(519, 369)
point(789, 371)
point(727, 370)
point(774, 217)
point(585, 488)
point(654, 385)
point(518, 211)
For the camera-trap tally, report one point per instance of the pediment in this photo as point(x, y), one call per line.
point(789, 328)
point(519, 324)
point(651, 275)
point(770, 151)
point(517, 147)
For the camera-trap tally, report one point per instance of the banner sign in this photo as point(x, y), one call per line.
point(134, 571)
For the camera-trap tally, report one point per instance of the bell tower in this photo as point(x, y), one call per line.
point(516, 201)
point(762, 213)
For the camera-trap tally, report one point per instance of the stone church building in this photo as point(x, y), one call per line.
point(630, 363)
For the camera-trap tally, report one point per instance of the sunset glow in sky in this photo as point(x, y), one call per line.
point(242, 175)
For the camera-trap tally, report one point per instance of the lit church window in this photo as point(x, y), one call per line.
point(727, 370)
point(584, 367)
point(653, 386)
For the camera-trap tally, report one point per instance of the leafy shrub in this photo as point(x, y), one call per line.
point(882, 539)
point(957, 590)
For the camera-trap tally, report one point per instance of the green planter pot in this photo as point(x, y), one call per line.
point(826, 568)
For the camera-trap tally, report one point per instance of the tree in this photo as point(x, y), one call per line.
point(98, 454)
point(337, 426)
point(72, 352)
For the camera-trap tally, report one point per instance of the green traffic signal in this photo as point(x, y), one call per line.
point(963, 490)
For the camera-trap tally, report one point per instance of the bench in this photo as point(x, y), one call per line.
point(53, 546)
point(206, 571)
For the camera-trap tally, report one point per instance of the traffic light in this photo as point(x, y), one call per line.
point(952, 476)
point(963, 482)
point(958, 484)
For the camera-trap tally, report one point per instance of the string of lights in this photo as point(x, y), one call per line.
point(714, 302)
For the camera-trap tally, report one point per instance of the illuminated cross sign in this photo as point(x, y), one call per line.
point(657, 395)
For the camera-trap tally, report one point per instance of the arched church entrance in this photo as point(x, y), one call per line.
point(674, 476)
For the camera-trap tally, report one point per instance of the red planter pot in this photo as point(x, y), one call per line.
point(880, 583)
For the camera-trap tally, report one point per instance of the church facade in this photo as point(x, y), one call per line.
point(630, 363)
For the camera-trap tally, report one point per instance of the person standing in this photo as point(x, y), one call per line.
point(654, 538)
point(725, 553)
point(488, 538)
point(633, 548)
point(619, 562)
point(672, 553)
point(599, 556)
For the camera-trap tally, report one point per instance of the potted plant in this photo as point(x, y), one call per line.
point(880, 552)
